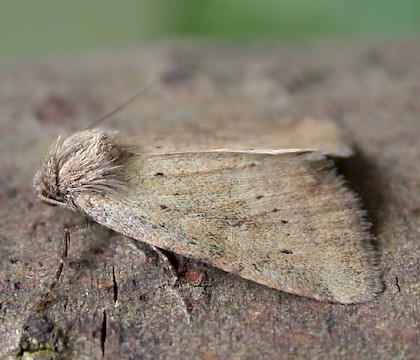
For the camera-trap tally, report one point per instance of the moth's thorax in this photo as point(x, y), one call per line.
point(88, 161)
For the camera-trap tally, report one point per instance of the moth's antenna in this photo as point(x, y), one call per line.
point(123, 105)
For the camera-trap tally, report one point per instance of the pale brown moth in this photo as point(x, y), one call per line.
point(280, 218)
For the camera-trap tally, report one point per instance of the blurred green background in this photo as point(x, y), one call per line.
point(40, 26)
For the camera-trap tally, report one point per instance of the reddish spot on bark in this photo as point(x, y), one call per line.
point(191, 275)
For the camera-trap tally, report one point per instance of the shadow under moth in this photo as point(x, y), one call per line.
point(282, 218)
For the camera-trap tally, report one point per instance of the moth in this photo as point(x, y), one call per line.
point(281, 218)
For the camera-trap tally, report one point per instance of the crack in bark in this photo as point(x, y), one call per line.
point(64, 251)
point(115, 285)
point(103, 333)
point(46, 297)
point(397, 283)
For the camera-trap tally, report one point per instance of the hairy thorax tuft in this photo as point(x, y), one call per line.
point(89, 160)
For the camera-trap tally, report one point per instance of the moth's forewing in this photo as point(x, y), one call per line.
point(283, 220)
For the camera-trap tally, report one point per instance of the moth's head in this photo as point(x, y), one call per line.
point(87, 161)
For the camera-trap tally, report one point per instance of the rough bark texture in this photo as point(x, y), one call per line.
point(114, 298)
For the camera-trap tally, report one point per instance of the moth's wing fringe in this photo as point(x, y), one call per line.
point(370, 254)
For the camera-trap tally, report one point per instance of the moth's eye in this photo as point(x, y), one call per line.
point(42, 193)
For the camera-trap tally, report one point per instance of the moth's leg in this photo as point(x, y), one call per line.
point(83, 224)
point(164, 257)
point(178, 266)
